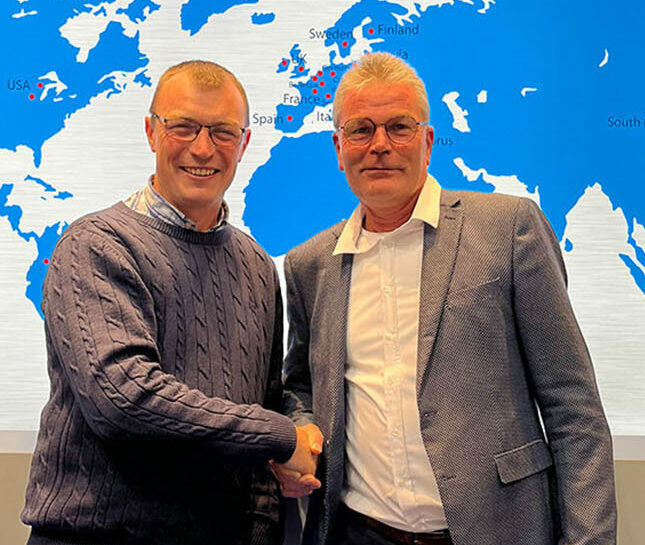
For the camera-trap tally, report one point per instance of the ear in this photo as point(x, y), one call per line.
point(336, 140)
point(150, 134)
point(245, 142)
point(429, 136)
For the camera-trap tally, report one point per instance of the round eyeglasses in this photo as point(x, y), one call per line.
point(400, 130)
point(226, 135)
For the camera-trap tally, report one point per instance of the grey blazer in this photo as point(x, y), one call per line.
point(499, 352)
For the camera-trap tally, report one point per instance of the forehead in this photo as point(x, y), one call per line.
point(380, 102)
point(182, 97)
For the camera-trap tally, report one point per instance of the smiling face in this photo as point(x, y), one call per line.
point(193, 176)
point(387, 178)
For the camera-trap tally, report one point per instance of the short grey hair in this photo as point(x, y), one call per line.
point(205, 74)
point(380, 68)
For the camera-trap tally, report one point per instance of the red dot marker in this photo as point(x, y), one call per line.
point(32, 96)
point(371, 31)
point(314, 91)
point(344, 44)
point(289, 118)
point(327, 96)
point(322, 83)
point(314, 78)
point(284, 63)
point(320, 72)
point(301, 68)
point(40, 85)
point(332, 74)
point(46, 261)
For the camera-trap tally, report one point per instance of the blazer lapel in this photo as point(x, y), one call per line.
point(330, 319)
point(439, 254)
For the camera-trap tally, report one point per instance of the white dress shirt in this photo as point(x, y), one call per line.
point(388, 474)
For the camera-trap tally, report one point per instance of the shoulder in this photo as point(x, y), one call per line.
point(481, 203)
point(491, 210)
point(104, 227)
point(316, 250)
point(90, 251)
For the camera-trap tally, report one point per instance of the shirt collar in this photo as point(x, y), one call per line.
point(426, 210)
point(158, 207)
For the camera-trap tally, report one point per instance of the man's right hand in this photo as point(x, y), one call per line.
point(297, 474)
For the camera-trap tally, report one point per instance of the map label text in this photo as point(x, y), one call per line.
point(624, 122)
point(334, 34)
point(18, 85)
point(261, 120)
point(398, 30)
point(295, 100)
point(443, 141)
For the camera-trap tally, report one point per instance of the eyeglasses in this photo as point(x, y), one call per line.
point(400, 130)
point(225, 135)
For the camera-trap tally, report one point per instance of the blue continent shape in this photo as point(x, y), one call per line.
point(562, 138)
point(195, 13)
point(283, 66)
point(318, 90)
point(139, 10)
point(62, 195)
point(39, 49)
point(301, 191)
point(262, 18)
point(45, 243)
point(47, 187)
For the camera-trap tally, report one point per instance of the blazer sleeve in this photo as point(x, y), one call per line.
point(561, 375)
point(297, 397)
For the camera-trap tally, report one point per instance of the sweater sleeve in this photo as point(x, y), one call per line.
point(100, 318)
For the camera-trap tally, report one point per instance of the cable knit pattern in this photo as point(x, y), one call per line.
point(164, 352)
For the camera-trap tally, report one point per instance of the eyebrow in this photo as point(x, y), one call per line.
point(193, 120)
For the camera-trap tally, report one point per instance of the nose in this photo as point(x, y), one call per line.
point(202, 146)
point(380, 141)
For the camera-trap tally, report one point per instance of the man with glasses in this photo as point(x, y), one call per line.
point(432, 340)
point(164, 340)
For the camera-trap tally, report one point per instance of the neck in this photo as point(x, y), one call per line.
point(205, 219)
point(383, 220)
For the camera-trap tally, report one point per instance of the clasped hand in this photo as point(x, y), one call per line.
point(297, 475)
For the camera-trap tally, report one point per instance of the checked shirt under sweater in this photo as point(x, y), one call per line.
point(164, 345)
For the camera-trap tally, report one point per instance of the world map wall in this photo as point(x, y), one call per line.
point(538, 98)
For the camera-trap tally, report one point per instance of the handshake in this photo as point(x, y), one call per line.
point(297, 475)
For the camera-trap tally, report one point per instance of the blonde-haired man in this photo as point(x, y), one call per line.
point(430, 337)
point(164, 342)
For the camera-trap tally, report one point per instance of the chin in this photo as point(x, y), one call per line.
point(381, 188)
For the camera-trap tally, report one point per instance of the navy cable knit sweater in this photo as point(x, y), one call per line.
point(164, 345)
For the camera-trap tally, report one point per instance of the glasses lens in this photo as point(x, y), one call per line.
point(401, 129)
point(359, 131)
point(226, 135)
point(182, 129)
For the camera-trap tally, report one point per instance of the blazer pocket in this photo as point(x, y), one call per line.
point(523, 461)
point(473, 294)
